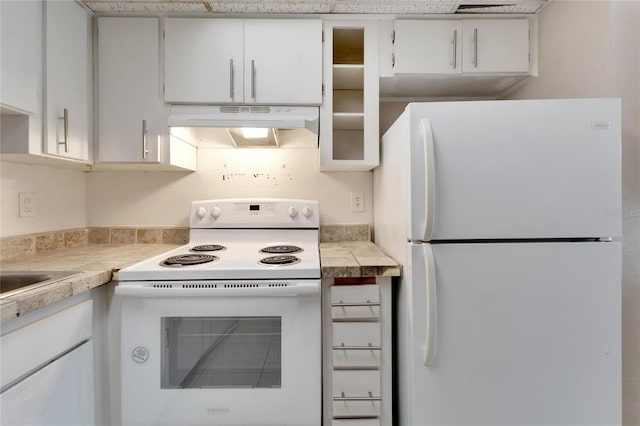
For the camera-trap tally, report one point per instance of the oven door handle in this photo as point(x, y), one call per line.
point(221, 290)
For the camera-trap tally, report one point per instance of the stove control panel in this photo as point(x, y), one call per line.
point(255, 213)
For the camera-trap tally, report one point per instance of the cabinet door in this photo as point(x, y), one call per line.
point(495, 46)
point(61, 393)
point(427, 47)
point(283, 61)
point(203, 60)
point(21, 52)
point(129, 100)
point(67, 80)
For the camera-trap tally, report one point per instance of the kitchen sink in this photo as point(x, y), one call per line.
point(13, 282)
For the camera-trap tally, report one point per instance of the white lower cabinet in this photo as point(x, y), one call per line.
point(357, 352)
point(47, 367)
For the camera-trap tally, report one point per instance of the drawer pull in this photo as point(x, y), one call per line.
point(367, 303)
point(358, 348)
point(358, 398)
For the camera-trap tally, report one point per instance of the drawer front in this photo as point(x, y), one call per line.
point(357, 384)
point(364, 359)
point(355, 422)
point(356, 334)
point(355, 302)
point(367, 312)
point(355, 293)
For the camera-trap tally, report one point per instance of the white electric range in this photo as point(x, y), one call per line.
point(226, 329)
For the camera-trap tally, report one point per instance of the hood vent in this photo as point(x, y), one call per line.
point(247, 126)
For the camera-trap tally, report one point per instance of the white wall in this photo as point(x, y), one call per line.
point(163, 198)
point(592, 49)
point(60, 198)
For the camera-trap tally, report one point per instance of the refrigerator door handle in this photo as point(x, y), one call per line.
point(429, 348)
point(429, 177)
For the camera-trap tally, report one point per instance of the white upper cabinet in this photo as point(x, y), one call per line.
point(283, 61)
point(263, 61)
point(349, 115)
point(129, 97)
point(431, 47)
point(21, 55)
point(468, 46)
point(203, 60)
point(67, 80)
point(495, 46)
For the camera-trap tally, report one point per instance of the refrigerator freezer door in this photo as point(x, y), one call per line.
point(514, 169)
point(526, 334)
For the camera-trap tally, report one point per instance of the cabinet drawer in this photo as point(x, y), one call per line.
point(356, 334)
point(355, 422)
point(355, 303)
point(356, 393)
point(364, 359)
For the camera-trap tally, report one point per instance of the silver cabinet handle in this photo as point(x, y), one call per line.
point(367, 303)
point(231, 78)
point(475, 48)
point(253, 80)
point(65, 119)
point(358, 348)
point(454, 42)
point(145, 150)
point(342, 397)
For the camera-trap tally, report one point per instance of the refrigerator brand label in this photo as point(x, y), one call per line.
point(600, 125)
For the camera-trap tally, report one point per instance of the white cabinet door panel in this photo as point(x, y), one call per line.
point(495, 46)
point(59, 394)
point(128, 89)
point(428, 47)
point(67, 79)
point(204, 60)
point(21, 52)
point(287, 61)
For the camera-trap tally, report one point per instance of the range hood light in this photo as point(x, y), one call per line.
point(255, 132)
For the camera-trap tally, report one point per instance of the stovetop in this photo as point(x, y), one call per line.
point(238, 257)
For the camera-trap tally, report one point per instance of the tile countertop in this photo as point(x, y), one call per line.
point(351, 259)
point(96, 262)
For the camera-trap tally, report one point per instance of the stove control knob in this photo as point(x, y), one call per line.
point(293, 212)
point(307, 212)
point(201, 212)
point(215, 212)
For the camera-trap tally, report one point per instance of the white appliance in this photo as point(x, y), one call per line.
point(505, 216)
point(226, 330)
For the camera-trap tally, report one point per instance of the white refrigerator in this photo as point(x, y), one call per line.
point(506, 218)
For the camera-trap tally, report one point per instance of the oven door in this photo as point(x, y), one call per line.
point(239, 357)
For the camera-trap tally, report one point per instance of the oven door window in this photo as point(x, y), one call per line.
point(221, 352)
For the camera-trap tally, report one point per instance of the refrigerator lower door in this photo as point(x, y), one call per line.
point(524, 334)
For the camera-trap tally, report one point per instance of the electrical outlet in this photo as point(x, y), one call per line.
point(357, 202)
point(27, 201)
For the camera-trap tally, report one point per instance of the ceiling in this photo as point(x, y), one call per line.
point(399, 7)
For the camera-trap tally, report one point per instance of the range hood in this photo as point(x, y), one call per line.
point(246, 126)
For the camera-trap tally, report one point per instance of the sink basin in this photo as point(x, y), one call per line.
point(13, 282)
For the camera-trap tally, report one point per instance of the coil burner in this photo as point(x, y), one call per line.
point(279, 260)
point(188, 260)
point(208, 247)
point(283, 249)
